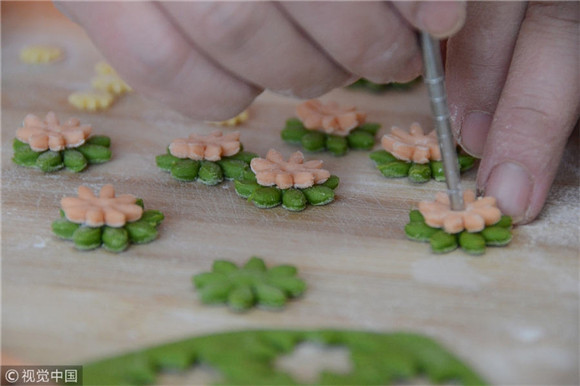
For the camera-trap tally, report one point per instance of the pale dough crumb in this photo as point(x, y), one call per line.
point(40, 54)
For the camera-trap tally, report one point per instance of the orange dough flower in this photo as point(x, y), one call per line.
point(295, 172)
point(50, 134)
point(210, 147)
point(330, 118)
point(106, 209)
point(477, 214)
point(414, 146)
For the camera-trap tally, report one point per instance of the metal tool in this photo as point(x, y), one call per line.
point(435, 80)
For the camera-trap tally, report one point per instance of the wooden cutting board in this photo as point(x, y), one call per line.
point(512, 313)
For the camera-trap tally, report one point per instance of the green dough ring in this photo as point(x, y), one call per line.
point(115, 240)
point(293, 199)
point(496, 235)
point(379, 88)
point(248, 358)
point(391, 167)
point(95, 150)
point(361, 138)
point(253, 284)
point(211, 173)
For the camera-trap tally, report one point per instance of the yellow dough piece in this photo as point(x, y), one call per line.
point(92, 100)
point(108, 80)
point(238, 119)
point(40, 54)
point(104, 68)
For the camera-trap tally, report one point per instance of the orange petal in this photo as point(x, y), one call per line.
point(416, 129)
point(490, 215)
point(179, 148)
point(95, 217)
point(230, 148)
point(266, 178)
point(107, 191)
point(85, 193)
point(274, 156)
point(212, 152)
point(284, 180)
point(296, 158)
point(421, 155)
point(313, 164)
point(56, 142)
point(125, 199)
point(320, 175)
point(260, 165)
point(38, 141)
point(76, 214)
point(303, 179)
point(453, 222)
point(114, 218)
point(473, 222)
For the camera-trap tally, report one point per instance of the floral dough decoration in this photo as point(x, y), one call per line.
point(252, 284)
point(414, 155)
point(210, 158)
point(479, 224)
point(378, 88)
point(249, 357)
point(294, 183)
point(329, 127)
point(50, 145)
point(235, 121)
point(108, 220)
point(40, 54)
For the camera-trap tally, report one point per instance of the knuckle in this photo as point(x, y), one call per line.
point(228, 25)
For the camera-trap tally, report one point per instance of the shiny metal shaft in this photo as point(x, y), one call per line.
point(435, 80)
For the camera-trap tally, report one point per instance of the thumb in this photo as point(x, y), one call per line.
point(538, 108)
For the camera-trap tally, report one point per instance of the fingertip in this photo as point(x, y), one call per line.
point(512, 185)
point(474, 132)
point(441, 18)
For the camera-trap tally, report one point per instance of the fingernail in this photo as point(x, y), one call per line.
point(474, 132)
point(512, 186)
point(442, 18)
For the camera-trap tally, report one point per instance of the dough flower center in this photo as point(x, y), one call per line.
point(477, 215)
point(286, 174)
point(106, 209)
point(51, 134)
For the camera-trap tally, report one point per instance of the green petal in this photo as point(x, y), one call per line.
point(152, 217)
point(141, 232)
point(332, 182)
point(437, 170)
point(115, 239)
point(266, 197)
point(25, 156)
point(336, 144)
point(216, 292)
point(466, 162)
point(370, 128)
point(233, 169)
point(245, 188)
point(210, 173)
point(18, 145)
point(255, 264)
point(382, 157)
point(86, 238)
point(496, 235)
point(224, 266)
point(395, 169)
point(292, 286)
point(360, 139)
point(208, 278)
point(64, 228)
point(185, 170)
point(313, 141)
point(292, 123)
point(140, 202)
point(416, 216)
point(282, 271)
point(442, 242)
point(74, 160)
point(294, 200)
point(245, 156)
point(101, 140)
point(166, 161)
point(49, 161)
point(293, 134)
point(472, 243)
point(319, 195)
point(420, 173)
point(241, 298)
point(419, 231)
point(95, 154)
point(504, 222)
point(269, 296)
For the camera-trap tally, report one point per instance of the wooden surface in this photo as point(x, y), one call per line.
point(512, 314)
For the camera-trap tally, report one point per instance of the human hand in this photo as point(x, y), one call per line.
point(514, 93)
point(209, 60)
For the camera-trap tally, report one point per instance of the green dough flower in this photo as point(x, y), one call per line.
point(379, 88)
point(362, 137)
point(498, 234)
point(391, 167)
point(112, 238)
point(252, 284)
point(208, 172)
point(95, 150)
point(249, 357)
